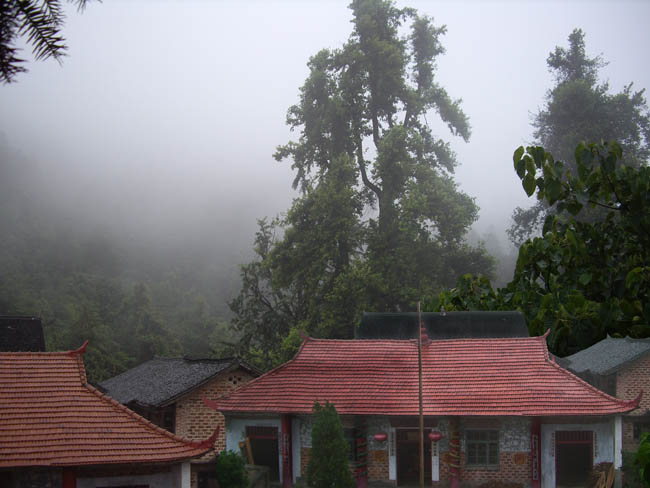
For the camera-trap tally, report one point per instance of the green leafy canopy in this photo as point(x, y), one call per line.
point(578, 108)
point(582, 278)
point(380, 221)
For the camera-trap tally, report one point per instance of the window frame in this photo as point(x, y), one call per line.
point(482, 460)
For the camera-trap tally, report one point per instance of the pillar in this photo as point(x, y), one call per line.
point(535, 454)
point(287, 454)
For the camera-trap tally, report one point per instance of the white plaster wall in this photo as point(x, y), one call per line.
point(515, 434)
point(375, 425)
point(159, 480)
point(236, 432)
point(305, 430)
point(603, 446)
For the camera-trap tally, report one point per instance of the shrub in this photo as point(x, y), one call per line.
point(231, 470)
point(328, 466)
point(642, 459)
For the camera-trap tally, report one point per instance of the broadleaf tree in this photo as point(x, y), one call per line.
point(379, 221)
point(582, 278)
point(580, 108)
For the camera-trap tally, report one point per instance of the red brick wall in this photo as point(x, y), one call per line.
point(629, 382)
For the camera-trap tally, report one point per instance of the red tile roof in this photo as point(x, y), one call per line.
point(50, 416)
point(512, 376)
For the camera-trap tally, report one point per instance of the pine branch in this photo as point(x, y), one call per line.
point(41, 25)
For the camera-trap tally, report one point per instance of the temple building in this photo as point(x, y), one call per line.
point(495, 408)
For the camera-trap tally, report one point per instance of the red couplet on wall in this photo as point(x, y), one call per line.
point(535, 454)
point(287, 461)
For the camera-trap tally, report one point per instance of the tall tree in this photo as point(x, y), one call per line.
point(380, 221)
point(579, 108)
point(40, 23)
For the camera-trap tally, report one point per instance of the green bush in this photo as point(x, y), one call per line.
point(328, 466)
point(231, 470)
point(642, 459)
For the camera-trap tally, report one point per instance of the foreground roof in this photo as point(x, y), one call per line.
point(442, 325)
point(50, 416)
point(607, 356)
point(18, 333)
point(162, 380)
point(511, 376)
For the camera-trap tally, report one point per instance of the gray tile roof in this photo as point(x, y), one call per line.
point(161, 380)
point(19, 333)
point(606, 356)
point(442, 325)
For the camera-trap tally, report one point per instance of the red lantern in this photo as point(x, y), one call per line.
point(381, 437)
point(435, 435)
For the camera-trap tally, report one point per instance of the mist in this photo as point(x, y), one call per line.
point(157, 131)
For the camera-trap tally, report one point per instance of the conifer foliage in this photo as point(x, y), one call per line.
point(328, 466)
point(39, 23)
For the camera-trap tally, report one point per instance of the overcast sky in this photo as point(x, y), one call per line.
point(174, 108)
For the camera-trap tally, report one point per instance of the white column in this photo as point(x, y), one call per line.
point(435, 462)
point(392, 458)
point(295, 446)
point(181, 474)
point(618, 442)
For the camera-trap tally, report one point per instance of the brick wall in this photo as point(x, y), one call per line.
point(305, 456)
point(378, 464)
point(196, 421)
point(632, 379)
point(629, 382)
point(508, 470)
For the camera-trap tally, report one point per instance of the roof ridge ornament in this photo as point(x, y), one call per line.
point(81, 349)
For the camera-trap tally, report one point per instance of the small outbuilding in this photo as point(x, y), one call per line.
point(169, 391)
point(620, 367)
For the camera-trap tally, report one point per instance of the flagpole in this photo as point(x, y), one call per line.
point(420, 396)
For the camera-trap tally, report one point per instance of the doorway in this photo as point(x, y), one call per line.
point(266, 451)
point(408, 457)
point(573, 457)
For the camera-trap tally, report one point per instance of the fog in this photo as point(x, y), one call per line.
point(159, 127)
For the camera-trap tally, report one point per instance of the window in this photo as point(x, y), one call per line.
point(482, 447)
point(640, 428)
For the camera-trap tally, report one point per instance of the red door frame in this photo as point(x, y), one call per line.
point(576, 434)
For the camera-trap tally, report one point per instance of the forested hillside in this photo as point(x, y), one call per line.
point(131, 299)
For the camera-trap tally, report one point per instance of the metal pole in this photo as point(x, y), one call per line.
point(420, 396)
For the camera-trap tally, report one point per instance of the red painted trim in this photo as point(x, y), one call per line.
point(69, 479)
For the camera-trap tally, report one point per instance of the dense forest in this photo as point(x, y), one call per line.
point(378, 222)
point(130, 299)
